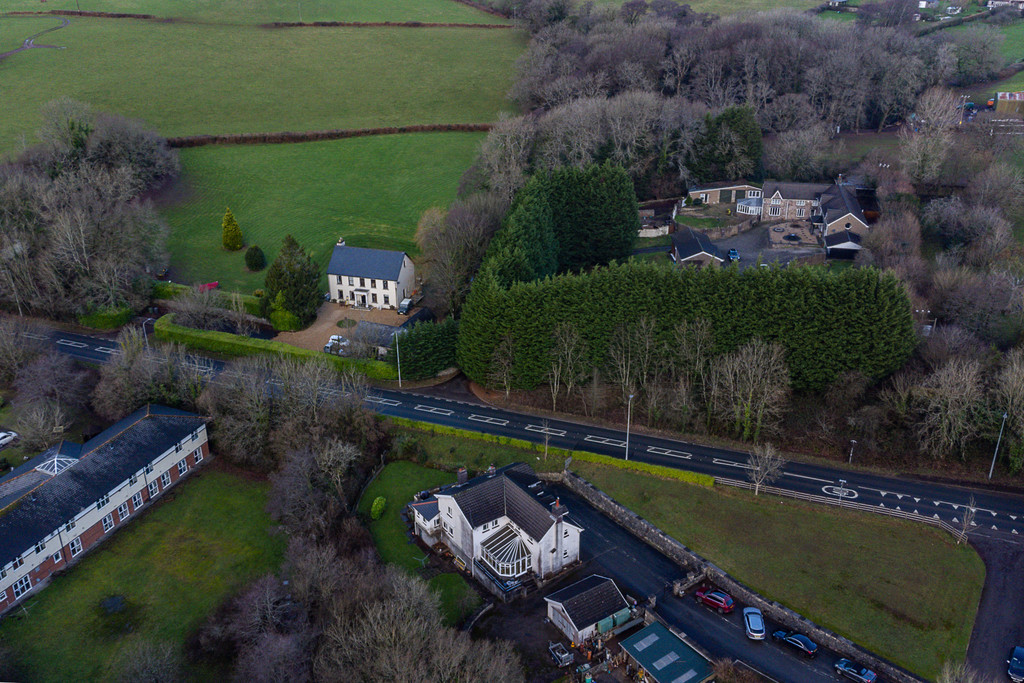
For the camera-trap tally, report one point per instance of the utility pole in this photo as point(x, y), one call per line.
point(398, 353)
point(853, 442)
point(998, 441)
point(629, 417)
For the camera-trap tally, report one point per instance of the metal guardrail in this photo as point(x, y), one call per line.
point(840, 503)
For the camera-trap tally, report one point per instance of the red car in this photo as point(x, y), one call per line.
point(720, 600)
point(208, 286)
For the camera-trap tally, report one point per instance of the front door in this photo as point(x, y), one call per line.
point(362, 299)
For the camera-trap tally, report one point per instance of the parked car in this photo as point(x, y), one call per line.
point(846, 668)
point(797, 641)
point(208, 286)
point(1016, 662)
point(734, 255)
point(753, 624)
point(6, 438)
point(719, 600)
point(337, 345)
point(404, 306)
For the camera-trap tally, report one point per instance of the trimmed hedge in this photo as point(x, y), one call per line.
point(316, 135)
point(237, 345)
point(686, 476)
point(168, 290)
point(106, 318)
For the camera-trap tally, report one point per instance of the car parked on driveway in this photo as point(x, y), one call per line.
point(797, 641)
point(847, 669)
point(734, 255)
point(719, 600)
point(1016, 665)
point(7, 437)
point(753, 623)
point(337, 345)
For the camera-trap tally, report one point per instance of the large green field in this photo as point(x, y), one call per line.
point(902, 590)
point(190, 79)
point(1013, 38)
point(173, 567)
point(260, 11)
point(371, 191)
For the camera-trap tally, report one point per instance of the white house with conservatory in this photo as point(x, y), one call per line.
point(59, 504)
point(503, 527)
point(370, 278)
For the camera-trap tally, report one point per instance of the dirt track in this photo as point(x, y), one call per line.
point(30, 42)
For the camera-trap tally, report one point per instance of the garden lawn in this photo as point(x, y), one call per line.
point(260, 11)
point(452, 452)
point(243, 79)
point(174, 566)
point(398, 483)
point(371, 191)
point(904, 591)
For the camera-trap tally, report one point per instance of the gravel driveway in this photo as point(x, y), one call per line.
point(754, 243)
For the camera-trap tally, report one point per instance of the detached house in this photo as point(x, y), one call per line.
point(503, 527)
point(830, 207)
point(67, 499)
point(690, 247)
point(369, 278)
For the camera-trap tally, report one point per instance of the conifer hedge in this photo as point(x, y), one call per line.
point(828, 322)
point(427, 348)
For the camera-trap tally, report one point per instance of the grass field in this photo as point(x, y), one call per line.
point(904, 591)
point(839, 16)
point(240, 79)
point(262, 11)
point(398, 483)
point(1013, 38)
point(371, 191)
point(173, 566)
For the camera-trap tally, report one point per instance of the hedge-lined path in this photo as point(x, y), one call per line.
point(30, 42)
point(270, 25)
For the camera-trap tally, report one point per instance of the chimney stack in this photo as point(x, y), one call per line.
point(491, 470)
point(463, 475)
point(341, 241)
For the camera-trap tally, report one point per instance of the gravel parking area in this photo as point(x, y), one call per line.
point(316, 335)
point(755, 243)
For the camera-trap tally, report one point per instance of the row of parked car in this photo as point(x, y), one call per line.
point(756, 629)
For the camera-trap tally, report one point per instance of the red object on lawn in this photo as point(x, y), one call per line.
point(208, 286)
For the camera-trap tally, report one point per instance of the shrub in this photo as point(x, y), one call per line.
point(285, 321)
point(168, 290)
point(231, 234)
point(254, 258)
point(257, 293)
point(106, 318)
point(377, 509)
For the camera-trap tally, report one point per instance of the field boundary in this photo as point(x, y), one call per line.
point(273, 24)
point(379, 24)
point(284, 137)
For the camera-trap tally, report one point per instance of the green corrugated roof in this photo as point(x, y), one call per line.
point(665, 657)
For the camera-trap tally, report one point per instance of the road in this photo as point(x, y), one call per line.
point(999, 517)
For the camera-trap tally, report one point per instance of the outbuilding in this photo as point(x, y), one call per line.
point(588, 607)
point(665, 658)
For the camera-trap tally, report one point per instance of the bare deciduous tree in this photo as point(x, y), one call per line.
point(764, 466)
point(950, 401)
point(960, 672)
point(20, 341)
point(502, 362)
point(969, 512)
point(150, 662)
point(568, 360)
point(41, 424)
point(750, 388)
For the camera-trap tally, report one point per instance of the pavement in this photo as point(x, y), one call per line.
point(754, 243)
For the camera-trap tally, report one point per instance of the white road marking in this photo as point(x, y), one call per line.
point(669, 452)
point(435, 410)
point(32, 336)
point(837, 491)
point(730, 463)
point(489, 420)
point(107, 349)
point(73, 344)
point(801, 476)
point(607, 442)
point(383, 401)
point(545, 430)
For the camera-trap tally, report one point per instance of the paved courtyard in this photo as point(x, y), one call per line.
point(756, 243)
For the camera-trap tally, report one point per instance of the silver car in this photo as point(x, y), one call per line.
point(6, 438)
point(753, 623)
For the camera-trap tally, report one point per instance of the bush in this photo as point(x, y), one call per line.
point(106, 318)
point(377, 509)
point(254, 258)
point(285, 321)
point(257, 293)
point(236, 345)
point(168, 290)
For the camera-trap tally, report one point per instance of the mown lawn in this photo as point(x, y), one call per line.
point(260, 11)
point(371, 191)
point(173, 566)
point(398, 483)
point(905, 591)
point(452, 452)
point(1013, 38)
point(192, 78)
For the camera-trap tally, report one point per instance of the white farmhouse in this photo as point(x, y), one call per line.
point(503, 526)
point(369, 278)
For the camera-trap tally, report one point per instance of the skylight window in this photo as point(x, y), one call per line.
point(56, 465)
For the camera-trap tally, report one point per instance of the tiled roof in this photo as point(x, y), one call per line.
point(841, 237)
point(377, 334)
point(806, 191)
point(589, 600)
point(104, 462)
point(427, 509)
point(513, 491)
point(722, 185)
point(688, 243)
point(837, 201)
point(379, 264)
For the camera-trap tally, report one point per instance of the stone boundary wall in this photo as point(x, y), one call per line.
point(724, 231)
point(692, 562)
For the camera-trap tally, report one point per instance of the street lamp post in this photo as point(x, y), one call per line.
point(145, 334)
point(842, 491)
point(629, 417)
point(398, 355)
point(853, 442)
point(998, 441)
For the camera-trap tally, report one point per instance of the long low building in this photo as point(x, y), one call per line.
point(67, 499)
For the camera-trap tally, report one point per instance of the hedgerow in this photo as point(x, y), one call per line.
point(106, 318)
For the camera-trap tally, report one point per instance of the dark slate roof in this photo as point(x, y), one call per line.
point(689, 243)
point(841, 237)
point(837, 201)
point(589, 600)
point(513, 491)
point(377, 334)
point(379, 264)
point(104, 462)
point(806, 191)
point(426, 508)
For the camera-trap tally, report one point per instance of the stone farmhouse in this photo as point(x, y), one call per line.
point(66, 500)
point(830, 208)
point(369, 278)
point(503, 527)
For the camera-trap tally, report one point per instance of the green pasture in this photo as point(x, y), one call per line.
point(265, 11)
point(190, 79)
point(371, 191)
point(1013, 38)
point(173, 566)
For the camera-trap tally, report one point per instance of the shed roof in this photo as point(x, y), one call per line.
point(379, 264)
point(665, 657)
point(589, 600)
point(103, 462)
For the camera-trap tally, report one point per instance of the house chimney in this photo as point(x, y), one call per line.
point(341, 241)
point(491, 470)
point(463, 475)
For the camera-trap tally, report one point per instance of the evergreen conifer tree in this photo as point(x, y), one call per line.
point(231, 234)
point(296, 278)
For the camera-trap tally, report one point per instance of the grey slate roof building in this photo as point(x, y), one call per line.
point(36, 501)
point(513, 491)
point(379, 264)
point(587, 604)
point(689, 244)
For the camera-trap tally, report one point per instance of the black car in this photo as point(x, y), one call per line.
point(797, 641)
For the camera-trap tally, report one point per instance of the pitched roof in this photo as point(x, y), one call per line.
point(806, 191)
point(37, 503)
point(589, 600)
point(841, 237)
point(513, 491)
point(427, 509)
point(837, 201)
point(379, 264)
point(665, 657)
point(722, 185)
point(377, 334)
point(688, 243)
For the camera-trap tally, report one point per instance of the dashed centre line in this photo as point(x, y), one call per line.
point(489, 420)
point(73, 344)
